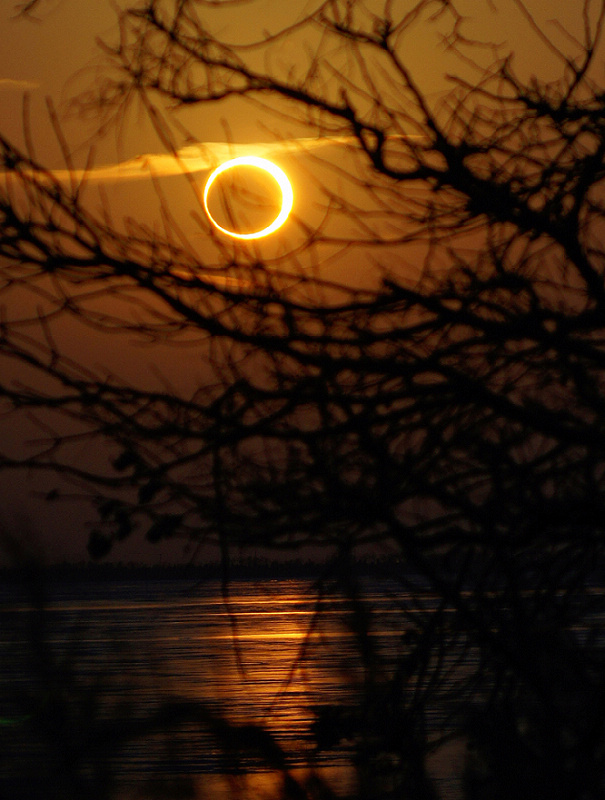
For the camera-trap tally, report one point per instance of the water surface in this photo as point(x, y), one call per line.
point(273, 657)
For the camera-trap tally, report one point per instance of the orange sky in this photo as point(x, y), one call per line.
point(56, 57)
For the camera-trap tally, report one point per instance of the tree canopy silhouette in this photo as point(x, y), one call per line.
point(453, 413)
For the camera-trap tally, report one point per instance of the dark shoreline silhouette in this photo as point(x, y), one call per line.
point(245, 569)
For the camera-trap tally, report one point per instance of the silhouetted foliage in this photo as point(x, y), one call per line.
point(453, 415)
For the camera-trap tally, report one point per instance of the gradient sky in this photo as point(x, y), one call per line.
point(56, 56)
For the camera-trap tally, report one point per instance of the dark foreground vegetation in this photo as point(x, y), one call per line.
point(447, 405)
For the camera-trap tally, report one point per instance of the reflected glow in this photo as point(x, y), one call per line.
point(280, 177)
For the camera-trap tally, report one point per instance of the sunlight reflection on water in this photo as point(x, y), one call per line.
point(268, 659)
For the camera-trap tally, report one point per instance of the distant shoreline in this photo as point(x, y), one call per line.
point(248, 569)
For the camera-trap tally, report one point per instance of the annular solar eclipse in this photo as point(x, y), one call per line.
point(278, 175)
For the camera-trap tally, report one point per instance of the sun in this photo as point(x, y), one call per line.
point(279, 176)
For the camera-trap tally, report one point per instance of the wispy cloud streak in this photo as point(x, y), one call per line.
point(200, 157)
point(13, 85)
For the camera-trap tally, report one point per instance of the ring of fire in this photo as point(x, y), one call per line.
point(279, 176)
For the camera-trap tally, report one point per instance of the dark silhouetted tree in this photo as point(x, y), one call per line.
point(451, 412)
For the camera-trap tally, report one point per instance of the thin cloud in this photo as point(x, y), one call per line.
point(200, 157)
point(12, 85)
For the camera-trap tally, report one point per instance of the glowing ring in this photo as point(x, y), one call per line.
point(280, 177)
